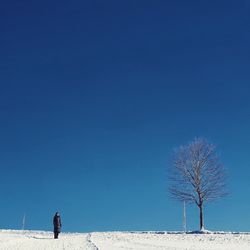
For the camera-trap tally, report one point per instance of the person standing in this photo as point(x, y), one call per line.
point(57, 225)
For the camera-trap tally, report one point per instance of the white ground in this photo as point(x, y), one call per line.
point(35, 240)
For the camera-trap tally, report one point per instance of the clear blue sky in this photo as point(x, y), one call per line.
point(94, 95)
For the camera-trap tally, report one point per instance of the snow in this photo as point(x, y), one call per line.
point(35, 240)
point(39, 240)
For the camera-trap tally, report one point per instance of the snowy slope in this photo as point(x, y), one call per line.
point(28, 240)
point(38, 240)
point(154, 241)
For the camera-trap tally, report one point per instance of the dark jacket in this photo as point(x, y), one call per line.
point(57, 223)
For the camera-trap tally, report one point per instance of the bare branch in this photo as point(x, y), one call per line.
point(196, 175)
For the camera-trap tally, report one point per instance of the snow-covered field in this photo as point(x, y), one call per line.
point(38, 240)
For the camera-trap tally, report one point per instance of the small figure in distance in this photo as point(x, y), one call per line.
point(57, 225)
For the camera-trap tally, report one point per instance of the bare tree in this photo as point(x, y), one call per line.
point(197, 176)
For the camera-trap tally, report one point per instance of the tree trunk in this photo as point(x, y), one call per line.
point(201, 217)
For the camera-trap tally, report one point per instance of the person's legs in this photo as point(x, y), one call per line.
point(55, 235)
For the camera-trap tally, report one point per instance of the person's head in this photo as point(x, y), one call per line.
point(57, 214)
